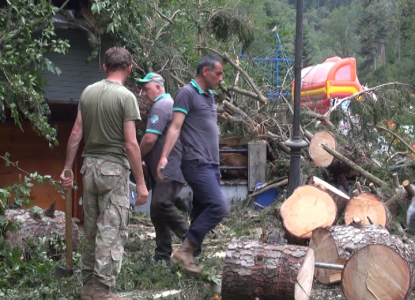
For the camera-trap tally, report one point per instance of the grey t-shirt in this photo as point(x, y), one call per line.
point(159, 120)
point(199, 133)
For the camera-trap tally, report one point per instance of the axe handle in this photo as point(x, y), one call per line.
point(68, 222)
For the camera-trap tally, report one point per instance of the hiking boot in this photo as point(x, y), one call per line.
point(88, 290)
point(103, 292)
point(184, 255)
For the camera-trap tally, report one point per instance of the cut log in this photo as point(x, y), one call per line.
point(410, 188)
point(340, 198)
point(324, 159)
point(267, 271)
point(319, 156)
point(305, 210)
point(335, 244)
point(33, 227)
point(368, 208)
point(339, 159)
point(379, 272)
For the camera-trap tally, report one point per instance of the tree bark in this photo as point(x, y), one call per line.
point(368, 208)
point(267, 271)
point(335, 245)
point(305, 210)
point(33, 227)
point(380, 271)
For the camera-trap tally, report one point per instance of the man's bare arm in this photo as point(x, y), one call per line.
point(134, 157)
point(147, 143)
point(71, 150)
point(172, 135)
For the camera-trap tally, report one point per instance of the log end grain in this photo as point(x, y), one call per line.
point(320, 156)
point(307, 209)
point(304, 283)
point(376, 272)
point(325, 250)
point(368, 208)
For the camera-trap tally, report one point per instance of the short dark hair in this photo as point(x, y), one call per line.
point(207, 61)
point(117, 58)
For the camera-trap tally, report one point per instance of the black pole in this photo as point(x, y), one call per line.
point(296, 143)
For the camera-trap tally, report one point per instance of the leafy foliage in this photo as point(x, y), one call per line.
point(22, 58)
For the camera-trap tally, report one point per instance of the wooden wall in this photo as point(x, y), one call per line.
point(34, 155)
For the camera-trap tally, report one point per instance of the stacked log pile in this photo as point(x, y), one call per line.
point(346, 237)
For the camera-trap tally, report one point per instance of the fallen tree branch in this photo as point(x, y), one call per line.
point(354, 166)
point(244, 92)
point(248, 79)
point(409, 188)
point(269, 183)
point(240, 112)
point(271, 186)
point(177, 79)
point(225, 90)
point(396, 136)
point(340, 101)
point(321, 118)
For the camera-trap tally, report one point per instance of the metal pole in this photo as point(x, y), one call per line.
point(328, 266)
point(276, 62)
point(296, 143)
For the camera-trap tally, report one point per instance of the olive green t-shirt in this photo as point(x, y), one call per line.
point(105, 106)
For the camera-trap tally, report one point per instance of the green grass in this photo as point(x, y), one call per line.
point(30, 275)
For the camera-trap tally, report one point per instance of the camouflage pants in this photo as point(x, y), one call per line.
point(106, 205)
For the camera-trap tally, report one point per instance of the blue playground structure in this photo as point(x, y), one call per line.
point(272, 63)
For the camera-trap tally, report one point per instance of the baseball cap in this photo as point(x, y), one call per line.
point(152, 77)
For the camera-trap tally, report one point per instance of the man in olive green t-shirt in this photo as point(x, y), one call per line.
point(106, 118)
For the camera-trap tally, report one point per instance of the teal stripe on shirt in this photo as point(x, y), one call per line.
point(198, 88)
point(161, 96)
point(181, 110)
point(154, 131)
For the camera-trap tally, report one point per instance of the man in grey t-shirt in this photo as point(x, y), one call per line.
point(194, 119)
point(164, 214)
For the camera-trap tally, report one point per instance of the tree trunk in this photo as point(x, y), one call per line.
point(380, 271)
point(305, 210)
point(33, 227)
point(335, 245)
point(256, 269)
point(369, 209)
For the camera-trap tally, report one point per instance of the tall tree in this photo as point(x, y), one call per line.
point(338, 34)
point(372, 32)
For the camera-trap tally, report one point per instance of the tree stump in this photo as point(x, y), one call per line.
point(267, 271)
point(369, 209)
point(305, 210)
point(33, 227)
point(380, 272)
point(340, 198)
point(335, 245)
